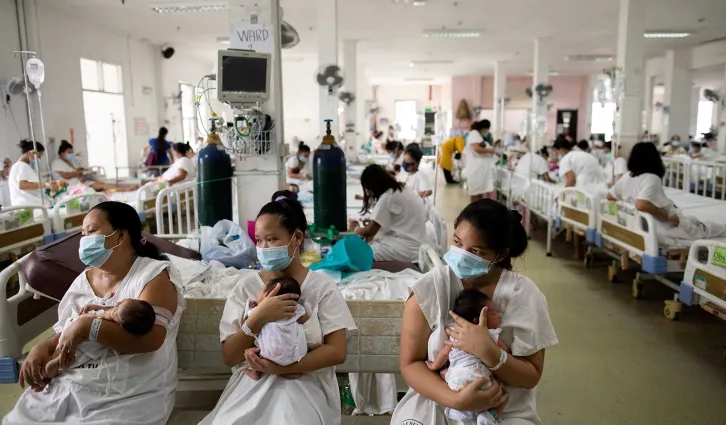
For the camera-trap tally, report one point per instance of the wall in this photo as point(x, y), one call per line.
point(13, 117)
point(425, 95)
point(569, 92)
point(300, 101)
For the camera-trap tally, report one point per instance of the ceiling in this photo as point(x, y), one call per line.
point(390, 38)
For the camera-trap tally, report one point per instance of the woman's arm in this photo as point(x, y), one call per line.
point(570, 180)
point(369, 231)
point(234, 347)
point(294, 175)
point(180, 175)
point(661, 214)
point(478, 148)
point(611, 197)
point(425, 193)
point(69, 174)
point(331, 353)
point(518, 372)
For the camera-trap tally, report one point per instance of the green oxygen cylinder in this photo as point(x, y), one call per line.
point(214, 183)
point(329, 201)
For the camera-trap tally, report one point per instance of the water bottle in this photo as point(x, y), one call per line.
point(346, 398)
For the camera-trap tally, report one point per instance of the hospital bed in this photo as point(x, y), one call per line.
point(142, 199)
point(503, 185)
point(540, 199)
point(22, 227)
point(176, 210)
point(707, 179)
point(704, 281)
point(69, 213)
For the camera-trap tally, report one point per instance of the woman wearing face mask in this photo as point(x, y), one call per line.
point(305, 392)
point(615, 167)
point(395, 154)
point(674, 147)
point(121, 265)
point(578, 168)
point(67, 167)
point(479, 161)
point(411, 176)
point(182, 169)
point(23, 181)
point(299, 167)
point(486, 238)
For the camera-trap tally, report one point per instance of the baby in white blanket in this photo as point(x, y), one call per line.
point(464, 368)
point(282, 342)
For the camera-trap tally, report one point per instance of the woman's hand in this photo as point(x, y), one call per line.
point(474, 339)
point(258, 364)
point(273, 307)
point(32, 372)
point(70, 338)
point(674, 220)
point(474, 399)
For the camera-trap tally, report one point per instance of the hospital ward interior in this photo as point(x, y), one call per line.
point(322, 212)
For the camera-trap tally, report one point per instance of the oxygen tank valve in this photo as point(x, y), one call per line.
point(328, 131)
point(328, 139)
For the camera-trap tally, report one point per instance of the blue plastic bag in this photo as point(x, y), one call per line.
point(351, 253)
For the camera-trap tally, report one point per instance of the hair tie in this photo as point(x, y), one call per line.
point(143, 241)
point(280, 198)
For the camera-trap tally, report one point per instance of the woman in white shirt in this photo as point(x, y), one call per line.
point(487, 237)
point(66, 167)
point(305, 392)
point(182, 168)
point(614, 168)
point(395, 152)
point(410, 175)
point(578, 168)
point(397, 225)
point(479, 161)
point(674, 147)
point(535, 164)
point(23, 181)
point(299, 168)
point(642, 186)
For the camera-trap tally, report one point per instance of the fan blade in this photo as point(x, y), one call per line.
point(290, 37)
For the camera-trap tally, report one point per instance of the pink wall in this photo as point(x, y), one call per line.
point(568, 92)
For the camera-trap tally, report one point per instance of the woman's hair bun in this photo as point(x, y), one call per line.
point(516, 215)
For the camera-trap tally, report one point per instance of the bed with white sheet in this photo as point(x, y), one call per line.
point(68, 214)
point(142, 199)
point(23, 227)
point(704, 280)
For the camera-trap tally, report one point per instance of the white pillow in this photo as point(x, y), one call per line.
point(190, 270)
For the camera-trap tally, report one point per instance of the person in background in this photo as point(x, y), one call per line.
point(395, 153)
point(65, 167)
point(536, 164)
point(298, 167)
point(583, 145)
point(411, 176)
point(446, 154)
point(615, 167)
point(674, 147)
point(159, 151)
point(199, 144)
point(701, 150)
point(479, 161)
point(23, 180)
point(7, 163)
point(391, 135)
point(182, 168)
point(577, 168)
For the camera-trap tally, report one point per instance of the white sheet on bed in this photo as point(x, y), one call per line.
point(378, 285)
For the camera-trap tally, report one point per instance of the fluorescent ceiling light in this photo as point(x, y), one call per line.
point(451, 33)
point(551, 74)
point(666, 34)
point(431, 62)
point(589, 58)
point(418, 79)
point(183, 8)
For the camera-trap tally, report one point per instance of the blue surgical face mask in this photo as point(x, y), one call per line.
point(70, 157)
point(32, 162)
point(303, 159)
point(559, 156)
point(407, 167)
point(609, 155)
point(276, 258)
point(675, 144)
point(465, 264)
point(92, 250)
point(392, 155)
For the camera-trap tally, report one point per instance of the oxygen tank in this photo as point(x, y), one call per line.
point(214, 183)
point(330, 199)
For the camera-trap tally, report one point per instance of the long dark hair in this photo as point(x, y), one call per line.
point(182, 148)
point(500, 228)
point(376, 181)
point(288, 210)
point(64, 146)
point(28, 145)
point(645, 158)
point(124, 217)
point(160, 141)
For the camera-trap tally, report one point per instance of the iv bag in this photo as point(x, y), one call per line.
point(35, 70)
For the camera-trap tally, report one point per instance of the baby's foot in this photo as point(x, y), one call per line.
point(255, 375)
point(52, 368)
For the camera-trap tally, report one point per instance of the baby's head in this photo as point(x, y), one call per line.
point(137, 317)
point(469, 303)
point(288, 285)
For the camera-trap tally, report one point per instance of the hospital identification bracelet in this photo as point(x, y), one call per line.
point(247, 331)
point(502, 360)
point(95, 327)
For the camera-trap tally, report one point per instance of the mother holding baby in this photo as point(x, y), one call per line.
point(306, 391)
point(486, 238)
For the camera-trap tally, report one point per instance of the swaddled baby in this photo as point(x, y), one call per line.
point(136, 317)
point(282, 342)
point(465, 368)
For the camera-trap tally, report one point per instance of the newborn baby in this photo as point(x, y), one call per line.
point(465, 368)
point(137, 317)
point(282, 342)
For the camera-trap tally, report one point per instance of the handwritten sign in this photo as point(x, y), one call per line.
point(141, 126)
point(719, 257)
point(254, 37)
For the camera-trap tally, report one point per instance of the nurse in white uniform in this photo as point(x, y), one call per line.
point(615, 167)
point(479, 161)
point(23, 181)
point(397, 224)
point(395, 153)
point(486, 238)
point(305, 392)
point(413, 178)
point(299, 168)
point(536, 164)
point(134, 387)
point(182, 169)
point(642, 186)
point(578, 168)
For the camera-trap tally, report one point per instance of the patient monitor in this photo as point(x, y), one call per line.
point(243, 77)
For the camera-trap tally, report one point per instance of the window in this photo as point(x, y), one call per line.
point(189, 113)
point(406, 119)
point(704, 117)
point(99, 76)
point(603, 117)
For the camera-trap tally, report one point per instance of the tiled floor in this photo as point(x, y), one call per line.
point(619, 360)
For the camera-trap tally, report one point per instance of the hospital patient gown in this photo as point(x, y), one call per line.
point(312, 399)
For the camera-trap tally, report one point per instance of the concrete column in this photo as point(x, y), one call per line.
point(589, 100)
point(362, 94)
point(677, 98)
point(540, 75)
point(721, 120)
point(631, 61)
point(500, 92)
point(648, 103)
point(327, 26)
point(693, 119)
point(350, 113)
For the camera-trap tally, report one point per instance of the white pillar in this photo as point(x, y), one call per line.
point(327, 26)
point(677, 94)
point(540, 75)
point(500, 92)
point(721, 120)
point(350, 69)
point(589, 100)
point(362, 94)
point(693, 118)
point(648, 103)
point(631, 61)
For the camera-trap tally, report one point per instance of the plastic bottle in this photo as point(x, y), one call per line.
point(346, 398)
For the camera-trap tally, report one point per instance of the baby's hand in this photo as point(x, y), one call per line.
point(255, 375)
point(88, 308)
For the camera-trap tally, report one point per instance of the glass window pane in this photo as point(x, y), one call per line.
point(704, 118)
point(111, 78)
point(89, 75)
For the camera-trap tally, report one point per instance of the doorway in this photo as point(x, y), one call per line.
point(567, 122)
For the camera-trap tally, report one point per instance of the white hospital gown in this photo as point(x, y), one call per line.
point(283, 341)
point(314, 398)
point(87, 349)
point(118, 390)
point(526, 329)
point(478, 168)
point(585, 167)
point(402, 218)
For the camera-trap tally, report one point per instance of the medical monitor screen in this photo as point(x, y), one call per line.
point(244, 74)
